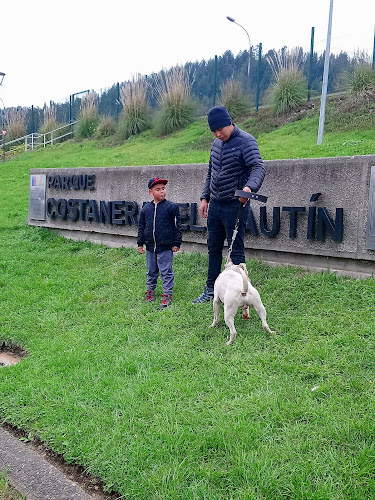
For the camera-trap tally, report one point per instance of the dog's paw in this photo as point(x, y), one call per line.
point(231, 339)
point(268, 329)
point(215, 323)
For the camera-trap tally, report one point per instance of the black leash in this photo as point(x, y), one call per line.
point(249, 196)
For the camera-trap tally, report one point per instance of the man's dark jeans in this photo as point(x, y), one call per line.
point(221, 221)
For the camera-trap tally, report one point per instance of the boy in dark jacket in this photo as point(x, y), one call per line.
point(159, 228)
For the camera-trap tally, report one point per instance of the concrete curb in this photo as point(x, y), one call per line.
point(32, 476)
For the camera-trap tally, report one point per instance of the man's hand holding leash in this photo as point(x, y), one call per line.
point(245, 200)
point(203, 209)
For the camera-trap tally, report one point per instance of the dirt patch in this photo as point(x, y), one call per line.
point(11, 354)
point(13, 350)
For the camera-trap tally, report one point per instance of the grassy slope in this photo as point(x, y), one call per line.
point(293, 140)
point(154, 402)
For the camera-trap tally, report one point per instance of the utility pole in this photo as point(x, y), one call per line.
point(311, 63)
point(325, 78)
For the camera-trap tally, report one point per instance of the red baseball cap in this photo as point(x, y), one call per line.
point(156, 180)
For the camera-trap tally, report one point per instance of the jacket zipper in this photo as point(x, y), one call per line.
point(154, 228)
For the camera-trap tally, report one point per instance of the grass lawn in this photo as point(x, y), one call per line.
point(153, 402)
point(7, 492)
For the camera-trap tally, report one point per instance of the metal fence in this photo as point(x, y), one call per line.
point(35, 141)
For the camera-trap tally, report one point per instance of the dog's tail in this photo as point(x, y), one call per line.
point(239, 269)
point(245, 281)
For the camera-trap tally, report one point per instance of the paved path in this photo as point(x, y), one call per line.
point(33, 476)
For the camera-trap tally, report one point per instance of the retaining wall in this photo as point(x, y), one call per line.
point(320, 212)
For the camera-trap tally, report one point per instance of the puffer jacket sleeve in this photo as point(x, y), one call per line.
point(177, 231)
point(254, 161)
point(206, 188)
point(141, 229)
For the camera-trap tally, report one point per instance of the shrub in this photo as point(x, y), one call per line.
point(49, 119)
point(15, 120)
point(290, 89)
point(88, 118)
point(106, 127)
point(135, 117)
point(342, 81)
point(173, 96)
point(288, 92)
point(363, 78)
point(49, 123)
point(234, 99)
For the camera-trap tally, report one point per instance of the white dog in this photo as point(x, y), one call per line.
point(233, 288)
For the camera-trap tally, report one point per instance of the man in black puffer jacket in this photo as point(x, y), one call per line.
point(235, 163)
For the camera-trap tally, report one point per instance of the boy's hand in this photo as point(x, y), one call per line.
point(175, 249)
point(140, 250)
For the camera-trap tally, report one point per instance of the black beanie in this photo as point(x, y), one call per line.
point(218, 117)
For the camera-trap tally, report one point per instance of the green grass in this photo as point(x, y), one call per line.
point(192, 145)
point(153, 402)
point(297, 140)
point(6, 491)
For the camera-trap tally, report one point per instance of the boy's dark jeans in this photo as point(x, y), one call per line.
point(221, 221)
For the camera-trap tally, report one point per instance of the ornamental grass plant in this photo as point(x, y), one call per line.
point(290, 88)
point(88, 118)
point(173, 94)
point(363, 79)
point(49, 119)
point(50, 123)
point(107, 127)
point(233, 97)
point(135, 117)
point(15, 121)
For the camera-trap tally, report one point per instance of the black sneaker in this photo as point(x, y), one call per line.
point(206, 296)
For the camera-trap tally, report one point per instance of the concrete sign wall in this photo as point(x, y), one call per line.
point(320, 212)
point(370, 232)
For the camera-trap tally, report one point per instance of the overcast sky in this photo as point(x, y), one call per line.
point(50, 50)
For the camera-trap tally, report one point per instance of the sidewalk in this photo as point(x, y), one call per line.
point(33, 476)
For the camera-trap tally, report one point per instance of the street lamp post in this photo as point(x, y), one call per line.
point(248, 64)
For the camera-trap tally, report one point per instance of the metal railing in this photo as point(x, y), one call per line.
point(35, 141)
